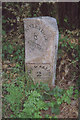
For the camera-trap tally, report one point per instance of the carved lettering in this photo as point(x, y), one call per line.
point(34, 45)
point(37, 27)
point(39, 70)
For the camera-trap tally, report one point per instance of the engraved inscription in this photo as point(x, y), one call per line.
point(36, 40)
point(27, 28)
point(34, 45)
point(39, 70)
point(35, 36)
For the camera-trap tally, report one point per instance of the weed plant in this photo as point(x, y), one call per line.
point(24, 99)
point(27, 100)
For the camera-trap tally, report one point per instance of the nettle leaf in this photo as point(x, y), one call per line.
point(64, 96)
point(76, 92)
point(33, 86)
point(45, 108)
point(35, 15)
point(71, 91)
point(33, 105)
point(69, 101)
point(66, 99)
point(15, 94)
point(59, 101)
point(68, 92)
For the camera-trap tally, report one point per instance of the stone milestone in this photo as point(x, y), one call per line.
point(41, 44)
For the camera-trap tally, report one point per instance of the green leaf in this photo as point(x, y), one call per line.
point(68, 92)
point(67, 99)
point(35, 15)
point(55, 116)
point(47, 116)
point(76, 91)
point(59, 101)
point(65, 20)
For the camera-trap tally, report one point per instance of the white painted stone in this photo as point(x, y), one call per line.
point(41, 44)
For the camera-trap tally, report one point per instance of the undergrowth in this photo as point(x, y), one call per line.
point(27, 100)
point(24, 99)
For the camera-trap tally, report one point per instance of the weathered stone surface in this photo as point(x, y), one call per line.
point(41, 43)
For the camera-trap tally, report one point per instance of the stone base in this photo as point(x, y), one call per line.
point(40, 72)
